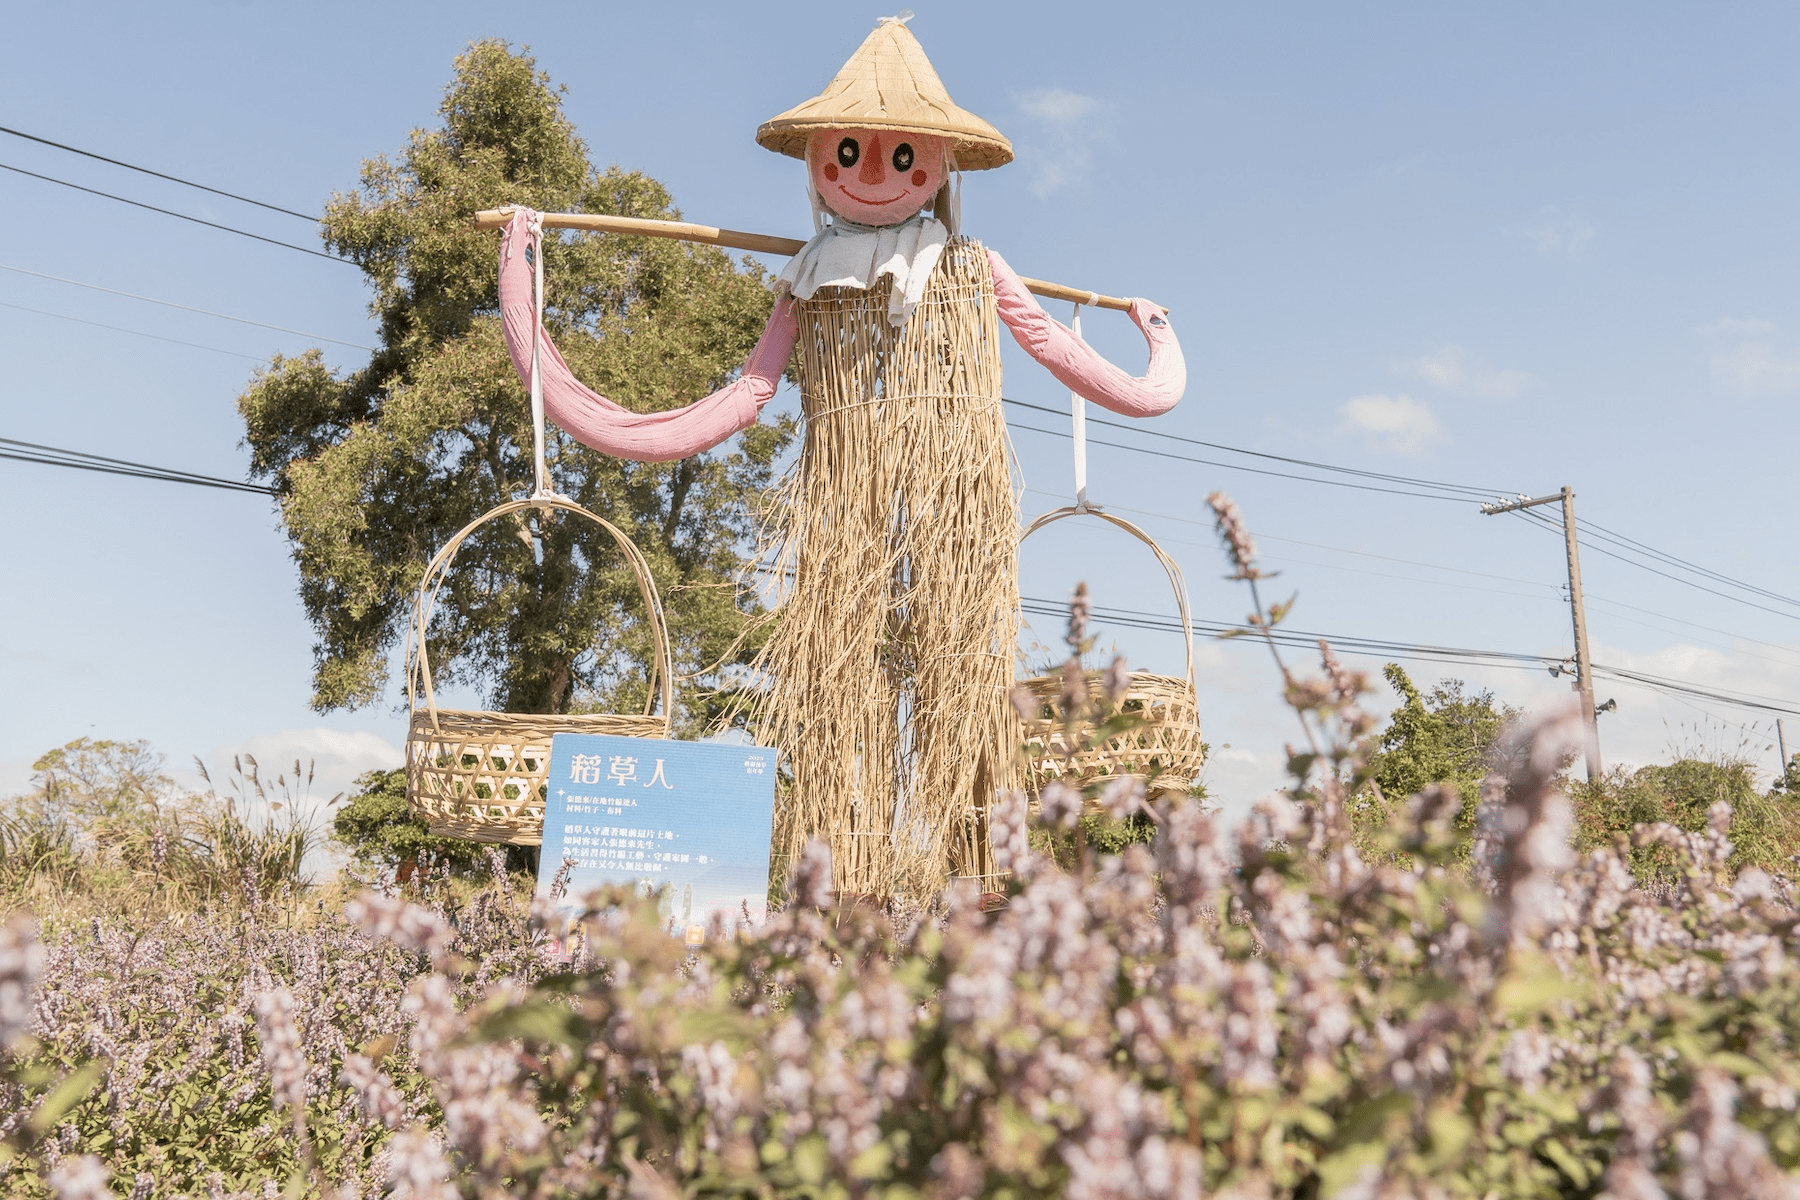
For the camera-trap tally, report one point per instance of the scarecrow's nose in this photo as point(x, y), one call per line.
point(872, 171)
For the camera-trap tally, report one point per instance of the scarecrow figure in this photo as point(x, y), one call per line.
point(891, 663)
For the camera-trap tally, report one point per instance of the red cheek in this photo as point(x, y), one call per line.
point(831, 172)
point(918, 179)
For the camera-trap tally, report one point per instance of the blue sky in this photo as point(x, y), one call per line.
point(1512, 246)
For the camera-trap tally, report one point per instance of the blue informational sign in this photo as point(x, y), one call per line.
point(687, 822)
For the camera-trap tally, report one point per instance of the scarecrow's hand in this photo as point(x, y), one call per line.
point(1078, 366)
point(1153, 320)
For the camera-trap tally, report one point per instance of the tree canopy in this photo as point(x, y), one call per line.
point(378, 466)
point(1446, 735)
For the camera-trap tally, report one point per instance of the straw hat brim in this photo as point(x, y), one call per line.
point(889, 84)
point(977, 149)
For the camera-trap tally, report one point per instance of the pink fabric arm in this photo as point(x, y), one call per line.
point(1075, 363)
point(612, 428)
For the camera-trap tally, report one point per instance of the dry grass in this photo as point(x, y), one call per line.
point(890, 665)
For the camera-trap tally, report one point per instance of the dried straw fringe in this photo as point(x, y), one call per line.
point(893, 654)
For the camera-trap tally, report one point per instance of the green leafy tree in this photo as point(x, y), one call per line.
point(378, 467)
point(1446, 735)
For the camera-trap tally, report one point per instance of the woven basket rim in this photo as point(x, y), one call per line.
point(1053, 679)
point(418, 660)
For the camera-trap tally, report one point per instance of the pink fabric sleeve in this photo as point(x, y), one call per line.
point(1075, 363)
point(612, 428)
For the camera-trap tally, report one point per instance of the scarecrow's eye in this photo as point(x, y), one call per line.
point(903, 157)
point(848, 152)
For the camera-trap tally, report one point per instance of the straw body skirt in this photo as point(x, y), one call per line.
point(892, 654)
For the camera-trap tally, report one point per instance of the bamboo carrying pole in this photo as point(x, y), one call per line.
point(756, 243)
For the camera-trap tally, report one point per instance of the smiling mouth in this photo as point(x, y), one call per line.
point(866, 200)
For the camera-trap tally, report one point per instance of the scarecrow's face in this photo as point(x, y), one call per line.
point(876, 177)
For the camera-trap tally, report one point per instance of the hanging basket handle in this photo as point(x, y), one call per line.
point(418, 669)
point(1176, 581)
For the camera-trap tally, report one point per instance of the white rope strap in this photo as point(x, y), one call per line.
point(1078, 419)
point(540, 476)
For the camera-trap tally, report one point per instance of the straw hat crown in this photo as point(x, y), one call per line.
point(889, 84)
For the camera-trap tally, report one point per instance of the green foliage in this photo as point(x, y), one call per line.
point(379, 467)
point(1788, 784)
point(1096, 832)
point(380, 827)
point(1446, 735)
point(103, 825)
point(1764, 828)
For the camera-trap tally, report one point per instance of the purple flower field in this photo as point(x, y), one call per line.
point(1296, 1006)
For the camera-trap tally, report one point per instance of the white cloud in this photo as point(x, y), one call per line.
point(1557, 233)
point(332, 757)
point(1755, 366)
point(1652, 726)
point(1396, 423)
point(1058, 105)
point(1456, 369)
point(1758, 369)
point(1236, 778)
point(1737, 327)
point(1066, 126)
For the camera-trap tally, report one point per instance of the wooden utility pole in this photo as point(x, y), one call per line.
point(1781, 740)
point(1584, 664)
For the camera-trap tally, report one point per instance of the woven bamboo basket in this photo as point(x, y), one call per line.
point(483, 776)
point(1165, 750)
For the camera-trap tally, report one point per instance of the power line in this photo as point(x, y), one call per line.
point(1650, 612)
point(1486, 589)
point(32, 137)
point(32, 452)
point(1556, 527)
point(1621, 540)
point(1737, 699)
point(1785, 650)
point(1729, 649)
point(44, 312)
point(207, 312)
point(1467, 491)
point(1597, 533)
point(54, 456)
point(1376, 647)
point(1270, 537)
point(169, 212)
point(1363, 487)
point(1473, 493)
point(1139, 619)
point(1483, 588)
point(1456, 491)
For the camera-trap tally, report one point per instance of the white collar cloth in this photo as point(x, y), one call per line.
point(845, 254)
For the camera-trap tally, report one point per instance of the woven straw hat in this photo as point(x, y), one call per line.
point(889, 84)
